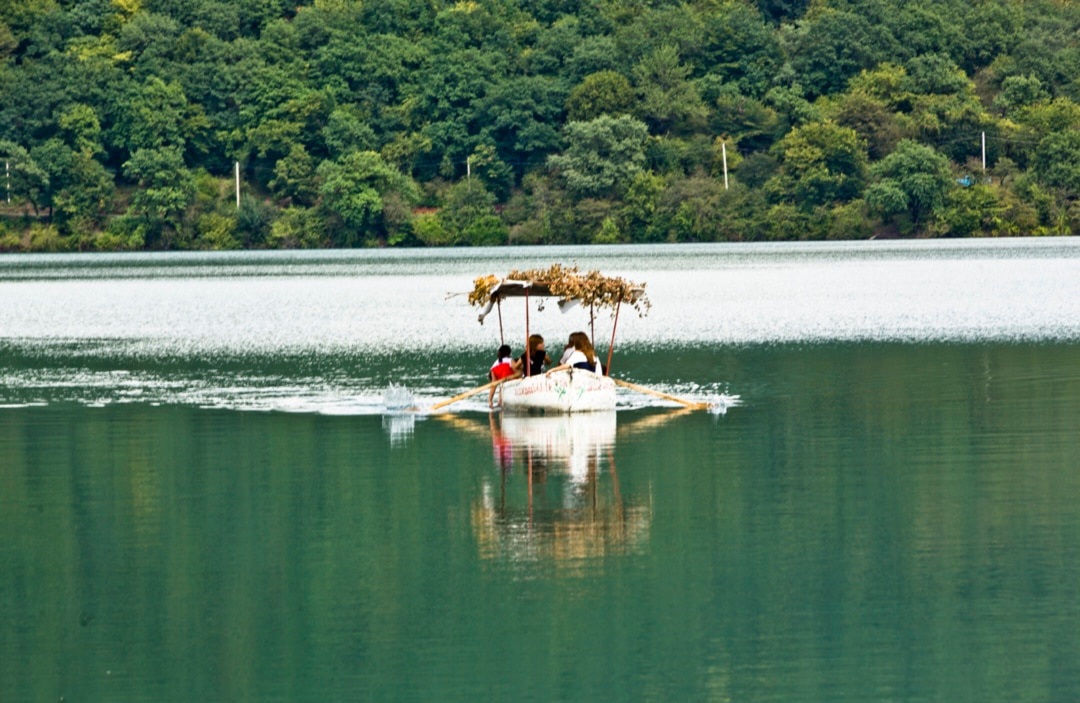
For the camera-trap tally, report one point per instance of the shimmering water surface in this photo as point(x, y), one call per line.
point(203, 495)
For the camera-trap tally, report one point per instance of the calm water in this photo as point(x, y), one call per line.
point(204, 498)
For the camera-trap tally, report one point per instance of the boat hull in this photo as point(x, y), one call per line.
point(566, 391)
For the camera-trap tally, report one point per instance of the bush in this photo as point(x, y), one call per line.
point(9, 241)
point(608, 234)
point(298, 228)
point(217, 232)
point(430, 230)
point(45, 238)
point(487, 230)
point(254, 220)
point(849, 221)
point(123, 233)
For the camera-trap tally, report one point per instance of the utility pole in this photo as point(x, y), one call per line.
point(723, 152)
point(468, 167)
point(7, 173)
point(984, 153)
point(237, 185)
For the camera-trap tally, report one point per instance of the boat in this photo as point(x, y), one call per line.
point(563, 389)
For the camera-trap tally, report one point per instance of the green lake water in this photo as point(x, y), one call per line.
point(204, 497)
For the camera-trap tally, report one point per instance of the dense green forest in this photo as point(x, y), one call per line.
point(427, 122)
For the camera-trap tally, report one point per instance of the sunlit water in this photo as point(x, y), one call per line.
point(328, 331)
point(881, 506)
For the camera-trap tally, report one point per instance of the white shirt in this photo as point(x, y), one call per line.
point(577, 357)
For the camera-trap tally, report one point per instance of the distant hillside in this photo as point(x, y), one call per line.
point(423, 122)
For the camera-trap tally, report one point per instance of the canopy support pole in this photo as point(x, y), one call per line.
point(528, 352)
point(498, 304)
point(611, 347)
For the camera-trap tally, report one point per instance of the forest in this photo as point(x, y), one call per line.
point(231, 124)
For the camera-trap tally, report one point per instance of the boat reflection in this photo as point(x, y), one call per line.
point(556, 493)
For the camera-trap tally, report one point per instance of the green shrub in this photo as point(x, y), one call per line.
point(849, 221)
point(217, 232)
point(430, 230)
point(487, 230)
point(298, 228)
point(608, 234)
point(9, 241)
point(124, 233)
point(45, 238)
point(254, 220)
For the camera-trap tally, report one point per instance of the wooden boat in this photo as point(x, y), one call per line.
point(564, 389)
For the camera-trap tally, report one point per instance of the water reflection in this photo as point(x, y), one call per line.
point(555, 495)
point(399, 427)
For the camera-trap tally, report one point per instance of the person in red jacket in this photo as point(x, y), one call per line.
point(502, 368)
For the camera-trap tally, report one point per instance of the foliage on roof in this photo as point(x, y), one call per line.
point(590, 288)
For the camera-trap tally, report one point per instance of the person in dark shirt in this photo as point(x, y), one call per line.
point(538, 356)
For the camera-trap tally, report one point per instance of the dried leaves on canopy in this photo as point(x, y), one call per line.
point(568, 283)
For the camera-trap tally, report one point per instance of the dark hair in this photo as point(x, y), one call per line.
point(504, 351)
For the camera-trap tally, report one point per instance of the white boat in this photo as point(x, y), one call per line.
point(566, 391)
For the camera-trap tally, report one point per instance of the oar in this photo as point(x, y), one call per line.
point(467, 394)
point(649, 391)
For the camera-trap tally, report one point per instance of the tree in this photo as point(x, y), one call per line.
point(1019, 92)
point(165, 189)
point(27, 179)
point(820, 163)
point(667, 100)
point(872, 120)
point(469, 215)
point(78, 187)
point(81, 129)
point(779, 10)
point(520, 116)
point(1057, 162)
point(353, 188)
point(154, 117)
point(294, 176)
point(346, 130)
point(911, 181)
point(831, 46)
point(741, 48)
point(602, 93)
point(602, 155)
point(641, 207)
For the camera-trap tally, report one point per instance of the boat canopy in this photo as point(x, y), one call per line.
point(564, 282)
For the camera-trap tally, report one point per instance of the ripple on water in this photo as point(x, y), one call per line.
point(139, 328)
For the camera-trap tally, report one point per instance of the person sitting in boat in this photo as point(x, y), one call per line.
point(537, 355)
point(583, 356)
point(502, 368)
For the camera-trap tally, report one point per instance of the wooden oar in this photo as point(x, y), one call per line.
point(649, 391)
point(468, 394)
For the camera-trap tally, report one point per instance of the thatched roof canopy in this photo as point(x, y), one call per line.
point(567, 283)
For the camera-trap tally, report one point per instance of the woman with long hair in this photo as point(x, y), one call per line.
point(536, 355)
point(583, 355)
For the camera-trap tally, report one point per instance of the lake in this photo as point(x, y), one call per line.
point(206, 498)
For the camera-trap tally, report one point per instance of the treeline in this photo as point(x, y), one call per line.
point(427, 122)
